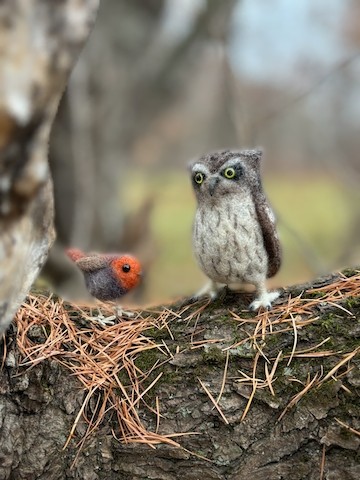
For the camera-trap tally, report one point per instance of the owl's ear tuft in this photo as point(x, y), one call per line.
point(253, 154)
point(190, 164)
point(258, 153)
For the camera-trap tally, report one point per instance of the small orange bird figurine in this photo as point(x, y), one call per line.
point(107, 276)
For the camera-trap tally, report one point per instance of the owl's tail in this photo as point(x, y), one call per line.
point(74, 254)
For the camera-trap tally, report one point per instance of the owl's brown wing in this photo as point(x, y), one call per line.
point(267, 222)
point(91, 263)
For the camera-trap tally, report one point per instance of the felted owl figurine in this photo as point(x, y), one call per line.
point(234, 232)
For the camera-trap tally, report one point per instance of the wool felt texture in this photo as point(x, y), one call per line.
point(107, 276)
point(234, 231)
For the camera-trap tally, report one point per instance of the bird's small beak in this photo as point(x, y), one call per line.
point(212, 184)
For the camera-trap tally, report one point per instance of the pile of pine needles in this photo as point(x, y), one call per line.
point(103, 358)
point(292, 314)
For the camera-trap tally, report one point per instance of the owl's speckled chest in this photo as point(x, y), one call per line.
point(228, 242)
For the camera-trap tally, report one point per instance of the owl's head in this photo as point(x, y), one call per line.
point(226, 172)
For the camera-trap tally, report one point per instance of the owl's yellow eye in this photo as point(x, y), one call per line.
point(199, 178)
point(229, 173)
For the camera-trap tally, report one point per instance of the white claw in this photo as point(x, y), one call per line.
point(210, 289)
point(264, 300)
point(124, 313)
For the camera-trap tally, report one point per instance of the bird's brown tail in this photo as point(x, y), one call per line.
point(74, 254)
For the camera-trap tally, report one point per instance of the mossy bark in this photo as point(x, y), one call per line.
point(38, 406)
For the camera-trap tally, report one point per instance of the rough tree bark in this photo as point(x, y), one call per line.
point(39, 43)
point(312, 440)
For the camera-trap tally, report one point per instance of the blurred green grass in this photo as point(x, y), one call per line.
point(313, 218)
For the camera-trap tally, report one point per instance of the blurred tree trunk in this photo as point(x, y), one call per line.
point(87, 152)
point(39, 45)
point(38, 406)
point(129, 74)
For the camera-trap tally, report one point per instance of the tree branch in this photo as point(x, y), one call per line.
point(216, 391)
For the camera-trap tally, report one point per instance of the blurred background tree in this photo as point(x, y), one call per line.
point(163, 81)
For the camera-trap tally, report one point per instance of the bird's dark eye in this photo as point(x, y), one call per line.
point(198, 178)
point(126, 268)
point(229, 173)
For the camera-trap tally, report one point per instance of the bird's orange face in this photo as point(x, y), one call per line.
point(128, 271)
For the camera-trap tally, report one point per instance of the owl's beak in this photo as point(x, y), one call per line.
point(212, 184)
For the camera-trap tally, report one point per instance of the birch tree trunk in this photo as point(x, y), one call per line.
point(39, 44)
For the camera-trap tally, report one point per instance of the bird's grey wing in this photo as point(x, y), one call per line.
point(267, 222)
point(92, 262)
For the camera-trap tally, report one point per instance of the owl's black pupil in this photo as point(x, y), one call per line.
point(198, 177)
point(126, 268)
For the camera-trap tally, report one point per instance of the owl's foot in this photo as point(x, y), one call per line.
point(124, 313)
point(211, 289)
point(264, 300)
